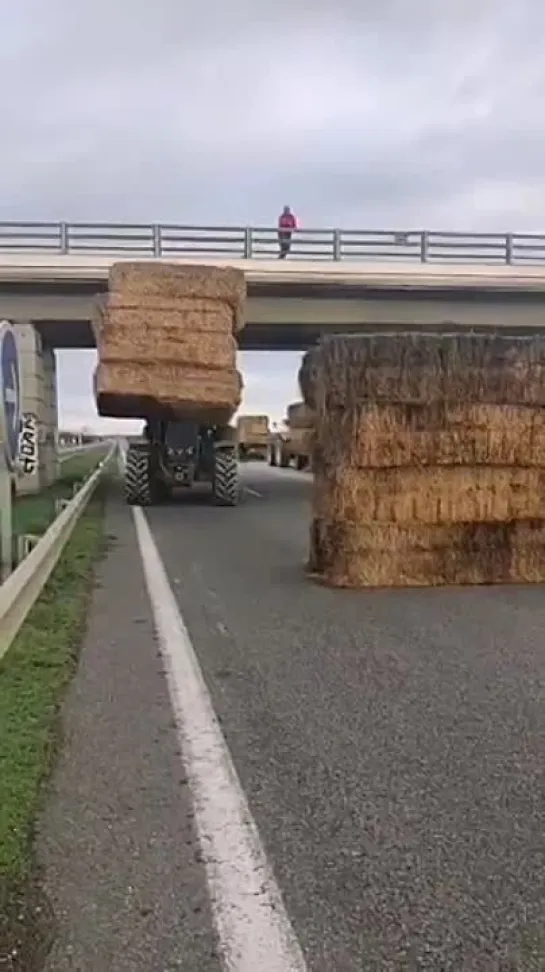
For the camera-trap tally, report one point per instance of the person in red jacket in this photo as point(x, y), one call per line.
point(287, 223)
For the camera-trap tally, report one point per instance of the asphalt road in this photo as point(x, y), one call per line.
point(390, 746)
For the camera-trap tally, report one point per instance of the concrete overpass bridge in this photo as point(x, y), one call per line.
point(333, 281)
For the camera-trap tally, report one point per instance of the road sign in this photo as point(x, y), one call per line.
point(10, 393)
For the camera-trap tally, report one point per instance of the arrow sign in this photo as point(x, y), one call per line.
point(10, 391)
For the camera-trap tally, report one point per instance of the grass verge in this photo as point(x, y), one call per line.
point(35, 512)
point(33, 676)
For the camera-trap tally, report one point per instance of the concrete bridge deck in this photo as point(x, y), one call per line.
point(84, 270)
point(289, 304)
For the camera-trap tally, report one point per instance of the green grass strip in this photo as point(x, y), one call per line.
point(33, 676)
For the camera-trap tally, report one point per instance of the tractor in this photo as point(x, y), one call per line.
point(173, 455)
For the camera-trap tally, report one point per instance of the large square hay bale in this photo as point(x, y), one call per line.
point(345, 554)
point(134, 281)
point(345, 371)
point(376, 436)
point(137, 390)
point(185, 336)
point(253, 429)
point(430, 494)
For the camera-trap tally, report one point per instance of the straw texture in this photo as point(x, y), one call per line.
point(195, 394)
point(420, 368)
point(345, 554)
point(253, 429)
point(429, 459)
point(166, 341)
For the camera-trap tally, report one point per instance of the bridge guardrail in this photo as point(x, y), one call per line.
point(21, 589)
point(250, 242)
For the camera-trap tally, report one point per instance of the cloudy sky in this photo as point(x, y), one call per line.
point(383, 113)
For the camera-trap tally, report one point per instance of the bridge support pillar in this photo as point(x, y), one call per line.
point(37, 446)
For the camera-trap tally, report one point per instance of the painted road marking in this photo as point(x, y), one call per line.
point(254, 930)
point(253, 492)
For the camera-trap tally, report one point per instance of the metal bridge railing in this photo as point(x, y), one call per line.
point(239, 242)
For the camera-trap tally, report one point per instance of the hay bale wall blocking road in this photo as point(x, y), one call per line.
point(429, 459)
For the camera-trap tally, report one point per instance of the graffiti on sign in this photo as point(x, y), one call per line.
point(28, 444)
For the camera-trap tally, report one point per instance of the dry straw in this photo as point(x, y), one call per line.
point(431, 495)
point(418, 368)
point(136, 390)
point(429, 459)
point(382, 436)
point(137, 281)
point(254, 422)
point(253, 429)
point(388, 555)
point(165, 339)
point(135, 336)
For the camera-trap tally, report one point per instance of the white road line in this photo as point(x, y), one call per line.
point(253, 492)
point(254, 930)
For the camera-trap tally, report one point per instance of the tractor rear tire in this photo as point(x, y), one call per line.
point(138, 486)
point(225, 481)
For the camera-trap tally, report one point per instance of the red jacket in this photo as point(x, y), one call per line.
point(287, 221)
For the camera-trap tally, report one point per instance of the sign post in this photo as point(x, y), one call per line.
point(10, 425)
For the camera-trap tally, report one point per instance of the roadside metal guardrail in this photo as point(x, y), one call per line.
point(21, 589)
point(255, 242)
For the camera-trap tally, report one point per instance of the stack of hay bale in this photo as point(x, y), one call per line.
point(300, 424)
point(429, 462)
point(166, 342)
point(253, 435)
point(299, 416)
point(253, 430)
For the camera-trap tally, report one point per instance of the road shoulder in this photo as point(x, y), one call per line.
point(116, 840)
